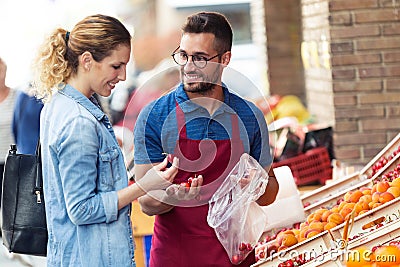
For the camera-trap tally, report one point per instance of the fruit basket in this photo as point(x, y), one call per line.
point(377, 226)
point(332, 200)
point(316, 245)
point(384, 156)
point(369, 171)
point(373, 203)
point(312, 166)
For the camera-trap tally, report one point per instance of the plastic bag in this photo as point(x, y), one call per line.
point(237, 219)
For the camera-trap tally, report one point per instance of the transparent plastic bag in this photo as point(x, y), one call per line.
point(237, 219)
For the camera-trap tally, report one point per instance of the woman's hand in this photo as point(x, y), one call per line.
point(159, 177)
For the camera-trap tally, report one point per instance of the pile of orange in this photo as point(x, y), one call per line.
point(360, 200)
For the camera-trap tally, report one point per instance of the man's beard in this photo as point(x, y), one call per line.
point(202, 87)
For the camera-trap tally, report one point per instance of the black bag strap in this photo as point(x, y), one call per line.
point(38, 190)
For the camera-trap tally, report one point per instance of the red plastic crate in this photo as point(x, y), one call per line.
point(310, 167)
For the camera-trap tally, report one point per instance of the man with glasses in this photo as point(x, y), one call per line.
point(207, 128)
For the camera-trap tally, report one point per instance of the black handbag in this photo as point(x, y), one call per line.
point(23, 214)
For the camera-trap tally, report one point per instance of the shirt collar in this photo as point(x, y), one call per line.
point(188, 106)
point(90, 104)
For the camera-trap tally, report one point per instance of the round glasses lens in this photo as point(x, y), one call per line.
point(180, 58)
point(200, 62)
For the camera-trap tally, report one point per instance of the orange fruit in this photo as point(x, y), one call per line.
point(335, 209)
point(382, 186)
point(325, 215)
point(355, 196)
point(320, 211)
point(329, 225)
point(373, 189)
point(289, 240)
point(387, 256)
point(345, 212)
point(341, 205)
point(312, 232)
point(366, 198)
point(360, 206)
point(366, 190)
point(395, 191)
point(385, 197)
point(336, 218)
point(396, 182)
point(314, 217)
point(376, 196)
point(347, 196)
point(316, 225)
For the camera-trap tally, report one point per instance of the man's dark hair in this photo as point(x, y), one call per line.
point(211, 22)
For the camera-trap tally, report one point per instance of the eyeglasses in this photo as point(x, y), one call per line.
point(181, 58)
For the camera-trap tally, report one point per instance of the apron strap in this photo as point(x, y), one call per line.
point(180, 117)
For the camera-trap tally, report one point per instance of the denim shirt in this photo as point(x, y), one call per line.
point(83, 168)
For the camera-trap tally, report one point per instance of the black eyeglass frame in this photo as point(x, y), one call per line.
point(194, 61)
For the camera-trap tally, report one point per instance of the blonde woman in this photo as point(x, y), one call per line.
point(85, 182)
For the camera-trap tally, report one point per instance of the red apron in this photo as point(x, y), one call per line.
point(182, 237)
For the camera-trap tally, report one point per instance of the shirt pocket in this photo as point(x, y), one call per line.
point(108, 167)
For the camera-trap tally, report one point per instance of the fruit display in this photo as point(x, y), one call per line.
point(381, 180)
point(371, 169)
point(366, 204)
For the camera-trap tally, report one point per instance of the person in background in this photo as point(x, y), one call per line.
point(208, 128)
point(7, 102)
point(84, 176)
point(25, 124)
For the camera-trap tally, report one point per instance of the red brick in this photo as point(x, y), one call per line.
point(354, 32)
point(379, 99)
point(378, 43)
point(335, 5)
point(393, 84)
point(391, 29)
point(360, 139)
point(393, 111)
point(346, 74)
point(389, 3)
point(371, 152)
point(347, 153)
point(346, 126)
point(380, 124)
point(377, 15)
point(388, 71)
point(341, 47)
point(343, 19)
point(339, 60)
point(351, 86)
point(361, 112)
point(391, 57)
point(344, 100)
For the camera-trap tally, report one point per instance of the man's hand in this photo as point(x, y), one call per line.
point(179, 192)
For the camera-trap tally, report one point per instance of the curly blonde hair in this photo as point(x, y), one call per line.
point(58, 56)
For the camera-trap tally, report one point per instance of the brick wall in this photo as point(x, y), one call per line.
point(316, 59)
point(364, 42)
point(283, 27)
